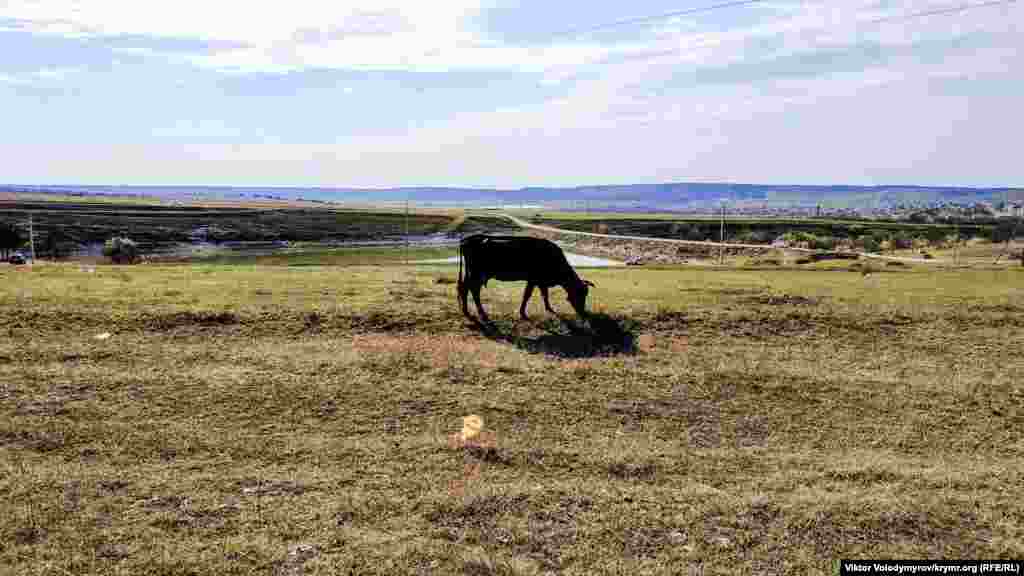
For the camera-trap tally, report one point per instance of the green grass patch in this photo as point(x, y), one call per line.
point(317, 256)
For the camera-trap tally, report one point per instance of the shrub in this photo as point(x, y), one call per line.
point(936, 236)
point(824, 243)
point(870, 244)
point(691, 232)
point(121, 250)
point(754, 237)
point(1005, 231)
point(10, 239)
point(902, 241)
point(808, 240)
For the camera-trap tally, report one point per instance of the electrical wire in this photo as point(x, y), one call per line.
point(740, 3)
point(939, 11)
point(662, 16)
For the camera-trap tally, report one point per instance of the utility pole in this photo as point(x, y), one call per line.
point(31, 238)
point(956, 245)
point(721, 237)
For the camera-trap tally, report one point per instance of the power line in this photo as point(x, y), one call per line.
point(663, 16)
point(666, 15)
point(938, 11)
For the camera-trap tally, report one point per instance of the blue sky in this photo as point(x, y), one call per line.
point(509, 94)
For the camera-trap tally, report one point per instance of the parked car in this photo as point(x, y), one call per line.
point(17, 258)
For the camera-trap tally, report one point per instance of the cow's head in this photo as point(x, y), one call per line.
point(577, 292)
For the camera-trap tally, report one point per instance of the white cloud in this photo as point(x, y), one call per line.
point(8, 79)
point(56, 73)
point(275, 35)
point(434, 36)
point(278, 37)
point(230, 20)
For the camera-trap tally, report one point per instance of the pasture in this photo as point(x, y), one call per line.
point(65, 227)
point(254, 418)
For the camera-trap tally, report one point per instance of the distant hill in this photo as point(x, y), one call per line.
point(665, 196)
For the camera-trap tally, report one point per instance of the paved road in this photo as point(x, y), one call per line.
point(525, 224)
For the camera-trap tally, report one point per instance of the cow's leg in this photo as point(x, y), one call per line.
point(547, 303)
point(526, 299)
point(463, 289)
point(475, 289)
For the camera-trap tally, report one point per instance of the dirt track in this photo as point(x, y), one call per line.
point(710, 244)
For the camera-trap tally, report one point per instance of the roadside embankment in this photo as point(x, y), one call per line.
point(645, 251)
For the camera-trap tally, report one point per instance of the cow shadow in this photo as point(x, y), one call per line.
point(600, 335)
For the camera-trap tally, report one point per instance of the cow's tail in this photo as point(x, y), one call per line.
point(459, 287)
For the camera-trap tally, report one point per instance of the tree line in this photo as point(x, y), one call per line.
point(53, 242)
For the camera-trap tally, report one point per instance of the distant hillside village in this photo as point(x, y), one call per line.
point(937, 212)
point(838, 205)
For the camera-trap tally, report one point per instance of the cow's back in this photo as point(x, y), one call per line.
point(515, 258)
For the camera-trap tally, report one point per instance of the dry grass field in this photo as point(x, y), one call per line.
point(213, 419)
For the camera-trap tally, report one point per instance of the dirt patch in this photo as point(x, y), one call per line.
point(38, 441)
point(385, 322)
point(258, 487)
point(781, 300)
point(164, 322)
point(477, 511)
point(731, 291)
point(630, 470)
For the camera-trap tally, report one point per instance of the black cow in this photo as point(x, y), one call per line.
point(540, 262)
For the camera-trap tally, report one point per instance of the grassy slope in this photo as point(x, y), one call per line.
point(318, 256)
point(275, 419)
